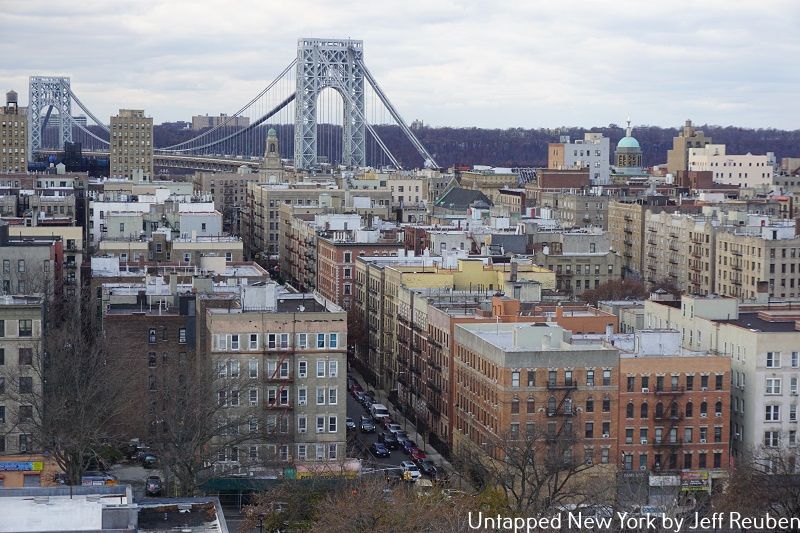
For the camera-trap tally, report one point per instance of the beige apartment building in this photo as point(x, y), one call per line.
point(583, 211)
point(680, 248)
point(290, 351)
point(298, 244)
point(678, 155)
point(261, 217)
point(228, 190)
point(131, 146)
point(21, 333)
point(13, 136)
point(756, 262)
point(626, 225)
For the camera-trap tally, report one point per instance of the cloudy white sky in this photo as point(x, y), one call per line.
point(518, 63)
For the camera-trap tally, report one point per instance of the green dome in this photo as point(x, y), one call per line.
point(628, 142)
point(272, 133)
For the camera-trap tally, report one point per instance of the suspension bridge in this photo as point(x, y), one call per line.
point(326, 107)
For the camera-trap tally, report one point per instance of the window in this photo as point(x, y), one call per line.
point(234, 342)
point(718, 382)
point(283, 341)
point(795, 359)
point(629, 411)
point(631, 383)
point(21, 265)
point(253, 397)
point(606, 405)
point(332, 424)
point(26, 328)
point(302, 424)
point(253, 343)
point(531, 406)
point(233, 369)
point(284, 398)
point(151, 360)
point(589, 430)
point(773, 413)
point(773, 386)
point(704, 382)
point(331, 451)
point(25, 413)
point(3, 327)
point(302, 341)
point(332, 396)
point(24, 443)
point(320, 341)
point(643, 410)
point(302, 396)
point(773, 359)
point(320, 396)
point(689, 410)
point(515, 406)
point(531, 378)
point(793, 413)
point(689, 382)
point(222, 341)
point(151, 336)
point(26, 356)
point(181, 335)
point(26, 385)
point(590, 405)
point(333, 340)
point(253, 425)
point(320, 368)
point(252, 368)
point(302, 369)
point(604, 451)
point(333, 369)
point(771, 439)
point(606, 378)
point(515, 379)
point(234, 398)
point(718, 434)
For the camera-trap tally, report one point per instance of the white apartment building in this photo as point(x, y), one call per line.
point(764, 347)
point(746, 170)
point(592, 152)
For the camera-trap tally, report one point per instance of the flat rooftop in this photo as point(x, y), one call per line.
point(55, 510)
point(752, 322)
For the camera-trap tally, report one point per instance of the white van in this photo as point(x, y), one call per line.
point(378, 411)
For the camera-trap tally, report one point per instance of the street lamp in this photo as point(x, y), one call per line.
point(261, 522)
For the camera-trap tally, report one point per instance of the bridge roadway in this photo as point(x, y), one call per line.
point(194, 162)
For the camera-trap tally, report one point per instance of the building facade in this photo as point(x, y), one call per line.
point(131, 145)
point(13, 136)
point(591, 153)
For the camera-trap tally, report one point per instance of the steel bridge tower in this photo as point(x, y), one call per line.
point(334, 63)
point(51, 92)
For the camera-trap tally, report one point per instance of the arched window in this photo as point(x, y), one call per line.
point(629, 411)
point(673, 410)
point(718, 409)
point(704, 409)
point(689, 410)
point(643, 410)
point(551, 405)
point(568, 406)
point(531, 405)
point(515, 406)
point(659, 410)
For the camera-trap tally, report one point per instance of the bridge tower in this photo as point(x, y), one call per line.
point(51, 92)
point(334, 63)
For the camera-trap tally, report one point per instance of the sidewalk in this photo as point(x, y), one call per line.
point(456, 479)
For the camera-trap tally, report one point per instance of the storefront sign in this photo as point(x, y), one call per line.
point(21, 466)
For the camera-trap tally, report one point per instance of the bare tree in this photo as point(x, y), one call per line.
point(363, 504)
point(537, 471)
point(615, 289)
point(766, 480)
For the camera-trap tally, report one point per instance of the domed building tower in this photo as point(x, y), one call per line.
point(628, 155)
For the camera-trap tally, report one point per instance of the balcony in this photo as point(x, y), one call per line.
point(567, 385)
point(433, 386)
point(416, 370)
point(561, 412)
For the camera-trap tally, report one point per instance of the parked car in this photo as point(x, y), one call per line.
point(389, 440)
point(149, 461)
point(394, 428)
point(427, 467)
point(367, 425)
point(386, 421)
point(379, 450)
point(358, 395)
point(94, 478)
point(408, 446)
point(393, 475)
point(350, 424)
point(153, 486)
point(418, 455)
point(367, 401)
point(411, 468)
point(378, 411)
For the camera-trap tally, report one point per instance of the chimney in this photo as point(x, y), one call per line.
point(559, 312)
point(514, 267)
point(609, 331)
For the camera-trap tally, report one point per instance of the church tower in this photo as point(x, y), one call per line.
point(628, 155)
point(272, 154)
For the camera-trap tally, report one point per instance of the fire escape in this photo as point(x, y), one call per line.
point(560, 405)
point(281, 405)
point(668, 416)
point(696, 263)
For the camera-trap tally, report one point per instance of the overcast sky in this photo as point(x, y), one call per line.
point(498, 64)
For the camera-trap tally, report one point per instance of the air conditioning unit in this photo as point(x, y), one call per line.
point(645, 389)
point(703, 389)
point(643, 467)
point(703, 415)
point(718, 415)
point(320, 430)
point(793, 393)
point(703, 441)
point(644, 441)
point(588, 461)
point(301, 430)
point(605, 435)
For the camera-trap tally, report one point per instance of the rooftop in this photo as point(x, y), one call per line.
point(752, 322)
